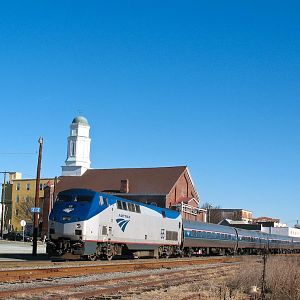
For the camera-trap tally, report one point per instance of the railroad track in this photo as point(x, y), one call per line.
point(25, 275)
point(128, 284)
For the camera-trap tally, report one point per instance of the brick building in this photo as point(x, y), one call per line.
point(19, 199)
point(216, 215)
point(170, 187)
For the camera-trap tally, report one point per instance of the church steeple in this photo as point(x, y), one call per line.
point(78, 152)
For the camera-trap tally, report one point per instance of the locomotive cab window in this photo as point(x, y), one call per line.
point(119, 204)
point(83, 199)
point(103, 201)
point(124, 205)
point(137, 208)
point(131, 207)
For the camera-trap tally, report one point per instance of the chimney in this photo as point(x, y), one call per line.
point(124, 189)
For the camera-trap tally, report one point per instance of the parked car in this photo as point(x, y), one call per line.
point(17, 236)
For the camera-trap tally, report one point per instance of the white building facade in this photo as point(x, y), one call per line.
point(78, 151)
point(287, 231)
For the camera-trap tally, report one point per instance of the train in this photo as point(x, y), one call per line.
point(95, 225)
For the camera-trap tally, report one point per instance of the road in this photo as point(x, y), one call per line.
point(12, 251)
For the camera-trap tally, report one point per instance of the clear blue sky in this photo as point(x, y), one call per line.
point(209, 84)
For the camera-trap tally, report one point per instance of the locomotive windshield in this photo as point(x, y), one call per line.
point(74, 198)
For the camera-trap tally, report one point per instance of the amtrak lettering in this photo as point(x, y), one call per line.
point(124, 216)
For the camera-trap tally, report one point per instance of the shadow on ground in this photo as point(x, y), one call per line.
point(24, 256)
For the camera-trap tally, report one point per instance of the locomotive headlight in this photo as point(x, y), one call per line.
point(78, 226)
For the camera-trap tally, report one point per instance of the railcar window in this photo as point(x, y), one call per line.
point(129, 205)
point(64, 198)
point(133, 207)
point(124, 205)
point(105, 201)
point(119, 204)
point(83, 199)
point(137, 208)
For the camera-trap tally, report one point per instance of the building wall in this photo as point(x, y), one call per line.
point(182, 189)
point(47, 206)
point(216, 215)
point(287, 231)
point(22, 199)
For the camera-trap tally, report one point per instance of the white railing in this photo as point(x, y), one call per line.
point(186, 208)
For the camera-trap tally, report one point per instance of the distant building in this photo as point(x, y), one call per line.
point(240, 224)
point(216, 215)
point(268, 222)
point(19, 199)
point(286, 231)
point(170, 187)
point(78, 150)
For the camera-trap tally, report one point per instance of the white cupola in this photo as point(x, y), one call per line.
point(78, 152)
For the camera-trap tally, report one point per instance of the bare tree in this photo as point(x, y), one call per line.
point(23, 210)
point(208, 205)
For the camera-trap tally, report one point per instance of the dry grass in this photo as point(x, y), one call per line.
point(282, 278)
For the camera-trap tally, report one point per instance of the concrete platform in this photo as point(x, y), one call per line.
point(21, 251)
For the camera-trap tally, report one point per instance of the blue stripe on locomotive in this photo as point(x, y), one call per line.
point(72, 211)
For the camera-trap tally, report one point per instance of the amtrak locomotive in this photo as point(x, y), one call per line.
point(97, 225)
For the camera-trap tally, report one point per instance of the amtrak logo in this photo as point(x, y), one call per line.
point(122, 223)
point(68, 210)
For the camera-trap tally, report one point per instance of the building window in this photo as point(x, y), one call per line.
point(72, 148)
point(17, 199)
point(17, 212)
point(18, 187)
point(41, 186)
point(27, 199)
point(28, 186)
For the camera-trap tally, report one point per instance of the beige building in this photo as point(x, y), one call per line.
point(20, 198)
point(216, 215)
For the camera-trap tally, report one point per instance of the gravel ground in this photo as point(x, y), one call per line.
point(104, 277)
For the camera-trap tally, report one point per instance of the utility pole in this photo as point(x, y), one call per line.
point(2, 203)
point(36, 201)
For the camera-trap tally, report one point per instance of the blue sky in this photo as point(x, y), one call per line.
point(209, 84)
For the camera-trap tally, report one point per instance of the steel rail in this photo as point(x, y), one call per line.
point(54, 272)
point(108, 287)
